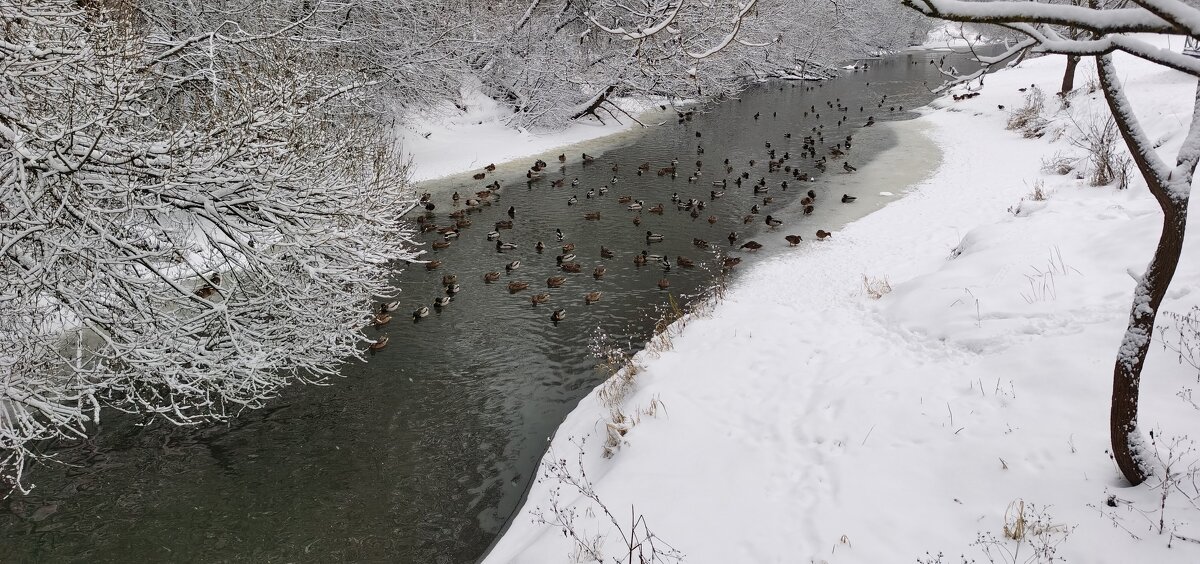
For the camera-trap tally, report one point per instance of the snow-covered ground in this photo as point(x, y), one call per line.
point(449, 140)
point(953, 35)
point(801, 420)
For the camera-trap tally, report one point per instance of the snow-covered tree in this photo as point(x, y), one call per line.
point(1098, 29)
point(193, 214)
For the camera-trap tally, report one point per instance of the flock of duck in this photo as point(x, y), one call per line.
point(815, 151)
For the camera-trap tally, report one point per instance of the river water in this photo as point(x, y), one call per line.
point(423, 453)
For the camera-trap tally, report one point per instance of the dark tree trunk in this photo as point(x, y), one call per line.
point(1068, 81)
point(1123, 422)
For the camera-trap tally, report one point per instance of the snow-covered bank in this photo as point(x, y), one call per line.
point(452, 141)
point(805, 421)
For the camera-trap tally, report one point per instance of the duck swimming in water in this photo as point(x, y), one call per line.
point(652, 237)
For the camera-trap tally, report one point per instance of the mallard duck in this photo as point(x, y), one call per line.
point(605, 252)
point(515, 286)
point(591, 297)
point(822, 234)
point(588, 158)
point(847, 198)
point(772, 222)
point(490, 167)
point(806, 201)
point(562, 158)
point(572, 267)
point(558, 315)
point(558, 234)
point(555, 281)
point(592, 216)
point(848, 168)
point(539, 298)
point(664, 284)
point(712, 220)
point(504, 224)
point(599, 272)
point(449, 279)
point(501, 246)
point(539, 247)
point(733, 236)
point(389, 307)
point(493, 235)
point(491, 276)
point(808, 210)
point(754, 209)
point(637, 220)
point(453, 289)
point(571, 201)
point(568, 247)
point(479, 176)
point(438, 245)
point(603, 190)
point(420, 312)
point(450, 233)
point(656, 209)
point(652, 237)
point(568, 257)
point(751, 245)
point(665, 263)
point(433, 265)
point(591, 192)
point(512, 211)
point(639, 259)
point(730, 262)
point(793, 240)
point(381, 319)
point(700, 243)
point(684, 261)
point(462, 223)
point(624, 199)
point(747, 220)
point(575, 182)
point(812, 194)
point(379, 343)
point(441, 302)
point(650, 257)
point(636, 205)
point(512, 266)
point(715, 194)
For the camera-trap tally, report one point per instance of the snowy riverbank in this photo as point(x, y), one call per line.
point(803, 420)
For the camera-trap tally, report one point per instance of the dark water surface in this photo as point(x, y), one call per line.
point(422, 454)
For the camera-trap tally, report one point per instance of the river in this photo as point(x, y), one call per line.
point(423, 453)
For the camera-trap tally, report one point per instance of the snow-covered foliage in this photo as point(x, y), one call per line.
point(194, 213)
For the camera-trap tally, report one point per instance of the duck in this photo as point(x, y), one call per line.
point(572, 267)
point(712, 220)
point(539, 298)
point(730, 262)
point(381, 319)
point(751, 245)
point(624, 199)
point(389, 307)
point(652, 237)
point(558, 315)
point(433, 265)
point(592, 297)
point(812, 194)
point(847, 198)
point(603, 190)
point(593, 216)
point(491, 276)
point(848, 168)
point(501, 246)
point(441, 302)
point(599, 272)
point(747, 220)
point(559, 234)
point(663, 284)
point(562, 158)
point(420, 312)
point(555, 281)
point(684, 261)
point(635, 206)
point(568, 247)
point(449, 280)
point(512, 266)
point(606, 252)
point(772, 222)
point(572, 200)
point(793, 240)
point(733, 236)
point(588, 158)
point(650, 257)
point(439, 245)
point(637, 219)
point(379, 343)
point(575, 182)
point(665, 263)
point(512, 211)
point(591, 192)
point(516, 286)
point(656, 209)
point(700, 243)
point(713, 194)
point(504, 224)
point(823, 234)
point(539, 247)
point(565, 257)
point(453, 289)
point(451, 234)
point(639, 260)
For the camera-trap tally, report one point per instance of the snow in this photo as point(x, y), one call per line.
point(800, 420)
point(449, 141)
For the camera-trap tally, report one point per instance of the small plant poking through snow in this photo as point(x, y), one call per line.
point(1030, 537)
point(1028, 118)
point(876, 287)
point(1182, 336)
point(639, 544)
point(1041, 283)
point(1059, 164)
point(1107, 162)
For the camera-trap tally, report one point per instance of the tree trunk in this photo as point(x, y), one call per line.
point(1171, 193)
point(1068, 81)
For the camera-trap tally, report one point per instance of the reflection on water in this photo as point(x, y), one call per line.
point(422, 454)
